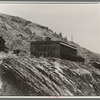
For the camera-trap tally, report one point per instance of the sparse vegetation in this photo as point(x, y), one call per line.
point(23, 74)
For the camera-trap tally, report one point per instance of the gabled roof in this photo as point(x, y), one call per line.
point(44, 42)
point(68, 45)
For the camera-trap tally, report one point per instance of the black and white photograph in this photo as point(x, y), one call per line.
point(49, 49)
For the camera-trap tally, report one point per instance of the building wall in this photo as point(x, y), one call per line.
point(2, 44)
point(51, 50)
point(67, 52)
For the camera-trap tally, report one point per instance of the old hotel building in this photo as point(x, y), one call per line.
point(49, 48)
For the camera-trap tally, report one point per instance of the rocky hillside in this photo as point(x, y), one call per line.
point(17, 30)
point(25, 75)
point(48, 77)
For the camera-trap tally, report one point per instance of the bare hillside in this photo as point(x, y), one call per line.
point(26, 75)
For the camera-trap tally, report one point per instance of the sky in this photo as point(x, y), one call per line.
point(82, 21)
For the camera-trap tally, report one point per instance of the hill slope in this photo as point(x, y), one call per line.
point(48, 77)
point(23, 75)
point(18, 33)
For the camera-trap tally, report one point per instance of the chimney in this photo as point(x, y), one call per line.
point(48, 39)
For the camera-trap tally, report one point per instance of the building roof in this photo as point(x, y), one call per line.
point(68, 45)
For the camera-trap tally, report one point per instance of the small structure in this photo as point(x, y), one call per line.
point(2, 44)
point(96, 64)
point(16, 52)
point(56, 49)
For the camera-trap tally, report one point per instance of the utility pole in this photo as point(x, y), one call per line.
point(72, 38)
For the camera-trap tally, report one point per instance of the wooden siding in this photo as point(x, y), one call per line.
point(67, 52)
point(51, 50)
point(2, 44)
point(56, 49)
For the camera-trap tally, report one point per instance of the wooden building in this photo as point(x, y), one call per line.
point(2, 44)
point(56, 49)
point(96, 64)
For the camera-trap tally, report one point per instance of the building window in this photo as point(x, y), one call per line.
point(48, 47)
point(44, 48)
point(33, 48)
point(53, 54)
point(35, 54)
point(54, 47)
